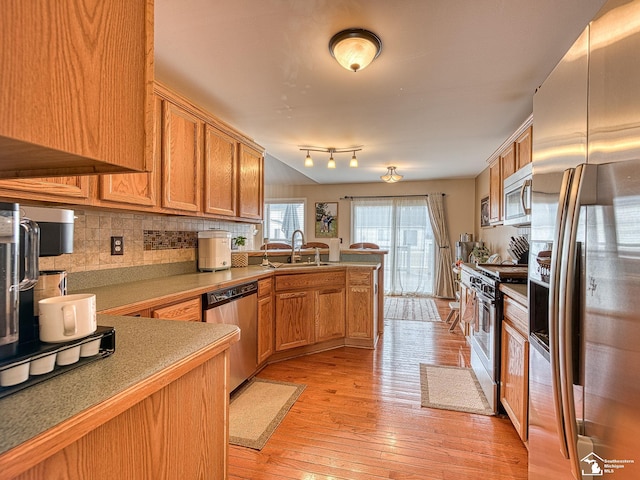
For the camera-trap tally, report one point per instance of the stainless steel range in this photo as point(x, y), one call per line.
point(486, 326)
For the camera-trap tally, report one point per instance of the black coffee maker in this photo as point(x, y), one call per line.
point(56, 238)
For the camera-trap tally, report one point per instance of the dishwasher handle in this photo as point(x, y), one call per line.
point(220, 297)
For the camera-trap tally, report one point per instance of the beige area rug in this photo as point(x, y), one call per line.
point(452, 388)
point(256, 410)
point(422, 309)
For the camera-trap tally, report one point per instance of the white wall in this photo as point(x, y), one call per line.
point(460, 202)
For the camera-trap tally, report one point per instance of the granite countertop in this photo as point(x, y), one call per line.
point(141, 294)
point(517, 291)
point(144, 347)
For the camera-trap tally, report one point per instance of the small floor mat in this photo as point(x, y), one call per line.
point(257, 408)
point(452, 388)
point(422, 309)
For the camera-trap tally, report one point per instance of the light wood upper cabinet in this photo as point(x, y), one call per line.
point(139, 189)
point(76, 87)
point(495, 192)
point(524, 145)
point(220, 172)
point(181, 159)
point(250, 183)
point(503, 166)
point(73, 190)
point(508, 161)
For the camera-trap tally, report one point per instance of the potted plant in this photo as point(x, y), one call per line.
point(238, 241)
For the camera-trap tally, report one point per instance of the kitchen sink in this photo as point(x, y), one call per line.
point(299, 265)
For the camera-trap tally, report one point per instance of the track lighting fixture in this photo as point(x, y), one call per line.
point(308, 161)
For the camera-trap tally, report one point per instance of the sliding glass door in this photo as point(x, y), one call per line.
point(401, 226)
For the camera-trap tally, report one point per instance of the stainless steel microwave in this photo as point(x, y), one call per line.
point(517, 197)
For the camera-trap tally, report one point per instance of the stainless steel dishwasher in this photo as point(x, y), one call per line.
point(237, 306)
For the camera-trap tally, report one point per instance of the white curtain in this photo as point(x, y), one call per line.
point(443, 284)
point(400, 225)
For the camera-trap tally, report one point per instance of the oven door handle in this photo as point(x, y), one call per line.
point(484, 298)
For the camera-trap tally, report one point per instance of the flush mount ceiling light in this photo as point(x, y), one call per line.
point(391, 176)
point(355, 48)
point(308, 161)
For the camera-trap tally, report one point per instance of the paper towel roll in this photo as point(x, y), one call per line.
point(334, 249)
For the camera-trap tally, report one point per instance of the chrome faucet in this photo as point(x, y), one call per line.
point(294, 257)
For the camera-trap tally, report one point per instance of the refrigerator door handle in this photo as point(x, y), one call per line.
point(583, 190)
point(554, 295)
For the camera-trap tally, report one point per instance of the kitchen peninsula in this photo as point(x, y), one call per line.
point(130, 415)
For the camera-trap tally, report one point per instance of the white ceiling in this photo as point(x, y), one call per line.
point(454, 80)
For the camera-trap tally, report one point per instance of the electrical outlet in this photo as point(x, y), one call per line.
point(117, 245)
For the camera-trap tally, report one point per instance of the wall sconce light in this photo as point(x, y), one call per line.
point(355, 48)
point(391, 176)
point(308, 161)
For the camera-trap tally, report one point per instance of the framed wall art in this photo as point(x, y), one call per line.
point(327, 220)
point(484, 212)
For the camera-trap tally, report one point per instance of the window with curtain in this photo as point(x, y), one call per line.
point(282, 218)
point(400, 225)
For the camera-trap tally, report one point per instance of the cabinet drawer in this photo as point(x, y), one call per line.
point(360, 277)
point(518, 314)
point(310, 280)
point(264, 287)
point(189, 310)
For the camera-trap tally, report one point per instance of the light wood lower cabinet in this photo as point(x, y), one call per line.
point(330, 314)
point(362, 308)
point(180, 431)
point(514, 366)
point(309, 308)
point(188, 311)
point(294, 319)
point(265, 319)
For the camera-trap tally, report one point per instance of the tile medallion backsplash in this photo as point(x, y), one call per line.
point(148, 239)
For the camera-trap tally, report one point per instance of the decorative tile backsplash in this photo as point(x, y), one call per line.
point(148, 240)
point(164, 240)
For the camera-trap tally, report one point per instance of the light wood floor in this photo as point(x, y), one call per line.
point(360, 418)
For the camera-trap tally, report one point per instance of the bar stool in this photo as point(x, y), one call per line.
point(455, 313)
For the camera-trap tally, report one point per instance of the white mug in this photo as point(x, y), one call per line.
point(67, 317)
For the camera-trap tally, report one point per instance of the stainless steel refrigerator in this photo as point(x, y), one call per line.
point(584, 298)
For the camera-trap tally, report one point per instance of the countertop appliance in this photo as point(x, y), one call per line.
point(13, 280)
point(56, 238)
point(214, 250)
point(584, 368)
point(464, 249)
point(486, 323)
point(517, 197)
point(237, 306)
